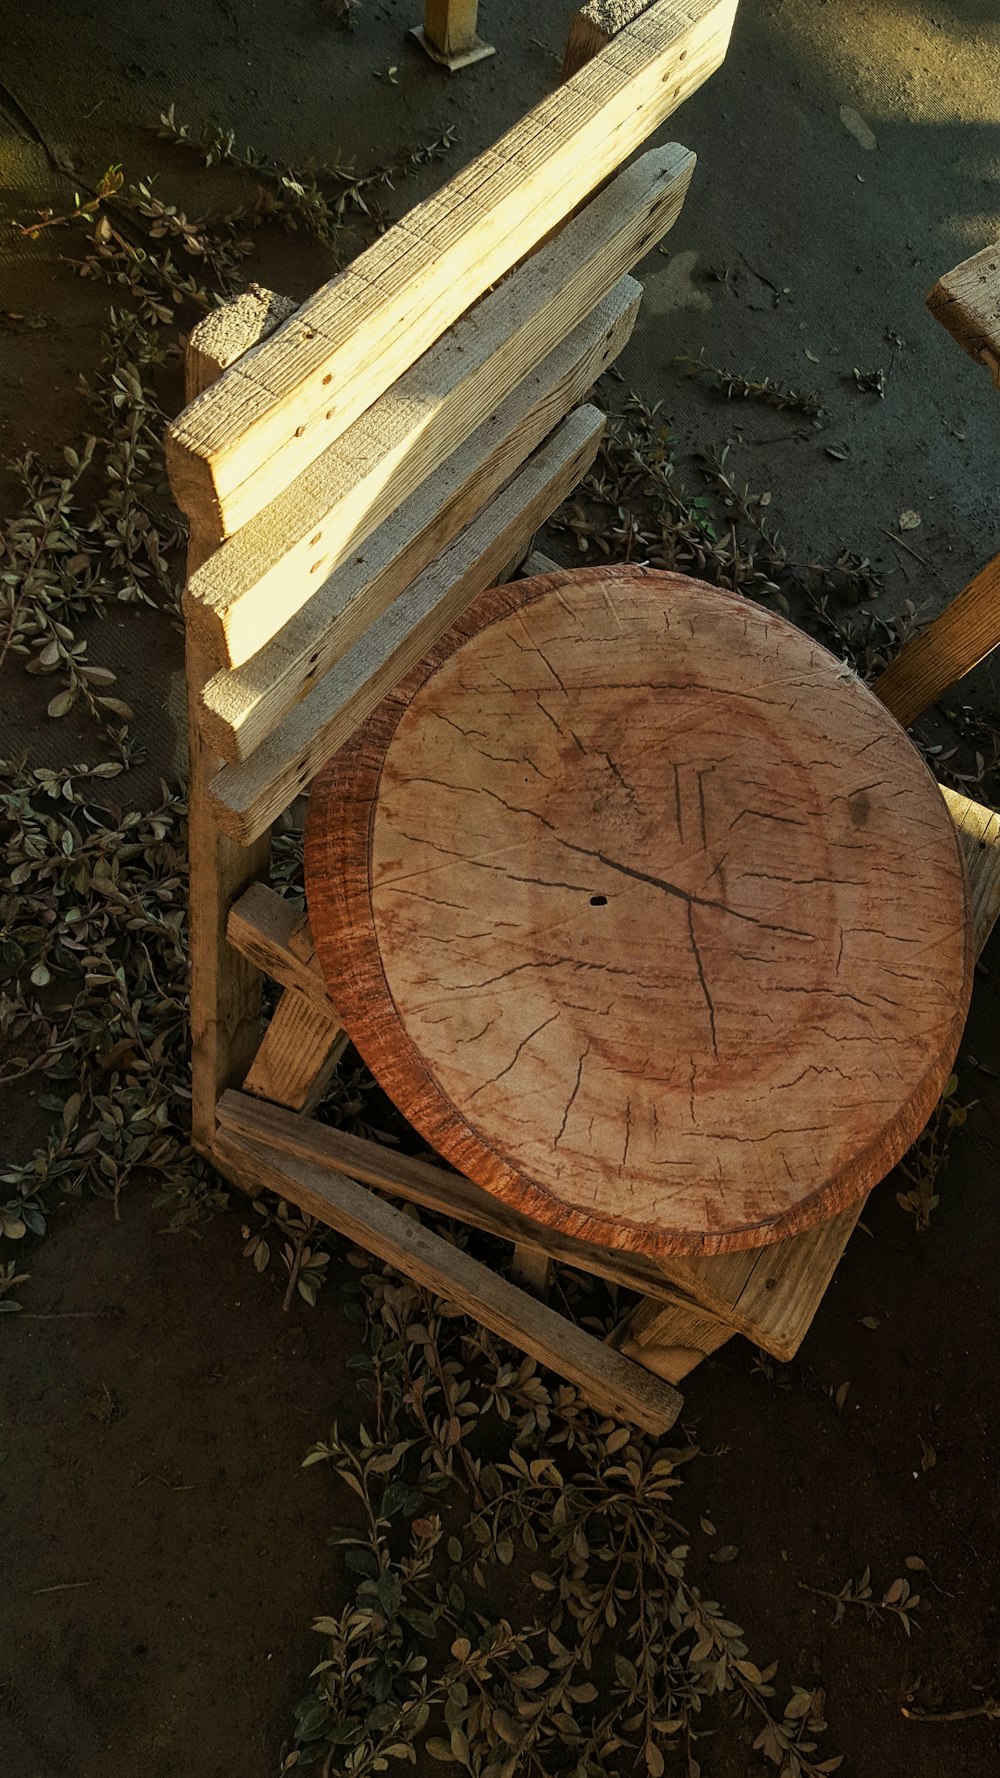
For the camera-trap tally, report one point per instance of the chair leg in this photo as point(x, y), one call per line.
point(669, 1339)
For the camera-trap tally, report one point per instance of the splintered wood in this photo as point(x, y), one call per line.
point(240, 444)
point(619, 895)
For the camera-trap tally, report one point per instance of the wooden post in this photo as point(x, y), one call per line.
point(225, 995)
point(449, 35)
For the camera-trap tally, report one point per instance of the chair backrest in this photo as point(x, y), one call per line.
point(357, 470)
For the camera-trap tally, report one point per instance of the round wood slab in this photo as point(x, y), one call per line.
point(644, 912)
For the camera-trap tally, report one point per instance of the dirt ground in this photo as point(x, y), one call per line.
point(163, 1553)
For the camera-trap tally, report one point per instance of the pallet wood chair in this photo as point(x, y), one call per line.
point(355, 471)
point(346, 504)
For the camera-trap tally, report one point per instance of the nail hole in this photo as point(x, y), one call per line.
point(299, 431)
point(328, 378)
point(598, 901)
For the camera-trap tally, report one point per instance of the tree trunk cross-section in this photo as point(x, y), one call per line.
point(645, 912)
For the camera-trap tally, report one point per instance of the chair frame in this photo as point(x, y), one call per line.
point(253, 1093)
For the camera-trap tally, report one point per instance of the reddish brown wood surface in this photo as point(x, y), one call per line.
point(645, 912)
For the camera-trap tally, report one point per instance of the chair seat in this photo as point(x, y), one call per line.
point(644, 912)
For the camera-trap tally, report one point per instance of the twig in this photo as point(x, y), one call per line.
point(990, 1708)
point(67, 1314)
point(907, 546)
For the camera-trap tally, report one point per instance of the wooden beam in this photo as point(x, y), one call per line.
point(242, 705)
point(965, 633)
point(238, 446)
point(592, 28)
point(967, 302)
point(247, 798)
point(262, 576)
point(449, 34)
point(610, 1382)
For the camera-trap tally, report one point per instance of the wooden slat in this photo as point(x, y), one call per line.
point(964, 634)
point(592, 28)
point(299, 1052)
point(436, 1189)
point(266, 573)
point(238, 446)
point(967, 302)
point(226, 333)
point(979, 834)
point(669, 1341)
point(246, 798)
point(612, 1383)
point(243, 704)
point(275, 937)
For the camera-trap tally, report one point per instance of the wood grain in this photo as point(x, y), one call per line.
point(612, 1383)
point(670, 1341)
point(262, 576)
point(645, 913)
point(237, 447)
point(967, 302)
point(298, 1053)
point(964, 634)
point(248, 797)
point(242, 705)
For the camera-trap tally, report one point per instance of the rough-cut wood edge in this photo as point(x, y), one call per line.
point(231, 453)
point(248, 797)
point(242, 705)
point(611, 1383)
point(670, 1341)
point(324, 517)
point(337, 841)
point(592, 28)
point(967, 302)
point(967, 630)
point(224, 334)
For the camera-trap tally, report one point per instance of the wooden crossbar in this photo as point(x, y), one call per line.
point(610, 1381)
point(244, 440)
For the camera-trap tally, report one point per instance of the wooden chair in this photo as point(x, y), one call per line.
point(355, 474)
